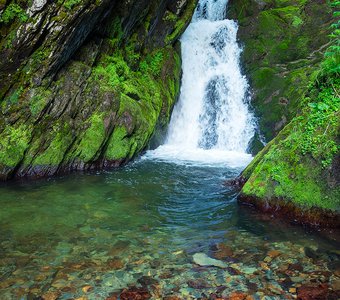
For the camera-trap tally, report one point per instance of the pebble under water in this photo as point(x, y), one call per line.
point(154, 230)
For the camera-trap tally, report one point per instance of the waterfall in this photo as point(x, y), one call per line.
point(211, 121)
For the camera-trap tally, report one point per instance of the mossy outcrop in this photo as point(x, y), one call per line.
point(284, 42)
point(85, 84)
point(297, 174)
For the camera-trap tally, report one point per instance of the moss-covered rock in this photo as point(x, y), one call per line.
point(300, 167)
point(295, 88)
point(284, 42)
point(86, 84)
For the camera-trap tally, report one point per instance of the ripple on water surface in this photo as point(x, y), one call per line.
point(150, 231)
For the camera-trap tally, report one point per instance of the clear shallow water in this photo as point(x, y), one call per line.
point(138, 229)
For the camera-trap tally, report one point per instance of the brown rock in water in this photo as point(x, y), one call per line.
point(295, 267)
point(87, 288)
point(335, 284)
point(197, 284)
point(223, 251)
point(232, 271)
point(239, 296)
point(273, 253)
point(135, 294)
point(316, 292)
point(115, 263)
point(50, 296)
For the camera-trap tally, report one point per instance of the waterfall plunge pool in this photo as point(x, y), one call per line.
point(139, 228)
point(165, 227)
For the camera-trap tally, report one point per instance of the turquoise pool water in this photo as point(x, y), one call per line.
point(133, 234)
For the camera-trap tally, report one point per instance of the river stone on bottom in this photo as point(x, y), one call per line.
point(206, 261)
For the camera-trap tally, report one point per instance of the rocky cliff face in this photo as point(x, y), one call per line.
point(85, 84)
point(297, 173)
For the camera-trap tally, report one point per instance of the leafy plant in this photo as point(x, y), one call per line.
point(332, 55)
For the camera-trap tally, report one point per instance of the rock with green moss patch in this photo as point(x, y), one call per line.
point(91, 82)
point(299, 169)
point(284, 42)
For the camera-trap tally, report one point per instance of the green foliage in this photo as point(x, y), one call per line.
point(322, 114)
point(332, 61)
point(112, 71)
point(12, 12)
point(293, 166)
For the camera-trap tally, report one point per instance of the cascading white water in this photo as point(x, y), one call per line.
point(211, 121)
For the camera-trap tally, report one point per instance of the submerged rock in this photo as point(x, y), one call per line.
point(205, 261)
point(317, 292)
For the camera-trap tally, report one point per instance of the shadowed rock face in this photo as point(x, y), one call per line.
point(85, 84)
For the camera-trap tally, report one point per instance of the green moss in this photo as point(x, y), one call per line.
point(37, 104)
point(69, 4)
point(169, 16)
point(92, 139)
point(14, 98)
point(152, 63)
point(13, 12)
point(146, 87)
point(282, 43)
point(10, 39)
point(181, 22)
point(54, 153)
point(14, 140)
point(119, 146)
point(121, 80)
point(294, 166)
point(297, 21)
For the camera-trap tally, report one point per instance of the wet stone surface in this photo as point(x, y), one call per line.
point(140, 233)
